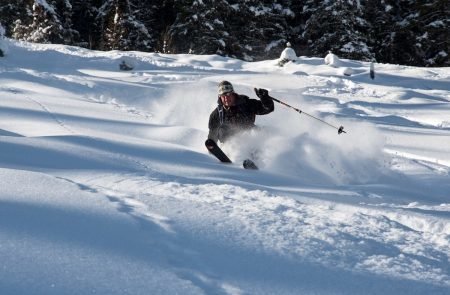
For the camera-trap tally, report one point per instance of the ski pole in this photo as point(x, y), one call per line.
point(339, 129)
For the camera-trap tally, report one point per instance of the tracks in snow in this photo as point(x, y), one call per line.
point(379, 240)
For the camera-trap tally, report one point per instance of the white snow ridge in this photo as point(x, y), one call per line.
point(106, 187)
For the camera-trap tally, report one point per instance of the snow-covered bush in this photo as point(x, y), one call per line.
point(332, 60)
point(287, 55)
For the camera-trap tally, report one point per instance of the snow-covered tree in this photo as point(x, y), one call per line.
point(433, 38)
point(380, 24)
point(410, 32)
point(10, 11)
point(86, 22)
point(266, 28)
point(157, 16)
point(244, 29)
point(43, 27)
point(394, 31)
point(122, 31)
point(64, 10)
point(339, 27)
point(200, 26)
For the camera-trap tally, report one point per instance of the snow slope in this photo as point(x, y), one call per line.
point(106, 188)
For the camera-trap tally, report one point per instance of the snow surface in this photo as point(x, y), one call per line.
point(106, 188)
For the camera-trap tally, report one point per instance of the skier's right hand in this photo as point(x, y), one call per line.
point(262, 93)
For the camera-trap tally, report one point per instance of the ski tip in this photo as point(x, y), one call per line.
point(210, 144)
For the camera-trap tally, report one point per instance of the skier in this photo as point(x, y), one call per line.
point(124, 66)
point(236, 112)
point(287, 55)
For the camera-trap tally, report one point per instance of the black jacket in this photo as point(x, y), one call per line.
point(224, 123)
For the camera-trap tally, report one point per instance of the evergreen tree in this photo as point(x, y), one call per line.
point(296, 24)
point(377, 14)
point(266, 30)
point(200, 27)
point(432, 40)
point(44, 27)
point(122, 31)
point(393, 31)
point(338, 27)
point(86, 24)
point(247, 30)
point(10, 11)
point(64, 10)
point(403, 46)
point(157, 16)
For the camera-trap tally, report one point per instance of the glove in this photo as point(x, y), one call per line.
point(262, 93)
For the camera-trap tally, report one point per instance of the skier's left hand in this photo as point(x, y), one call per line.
point(262, 93)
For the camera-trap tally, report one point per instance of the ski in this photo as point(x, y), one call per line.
point(214, 149)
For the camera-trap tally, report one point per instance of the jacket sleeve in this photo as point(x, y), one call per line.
point(263, 106)
point(213, 125)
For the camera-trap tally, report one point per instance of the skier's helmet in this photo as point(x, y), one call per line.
point(225, 87)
